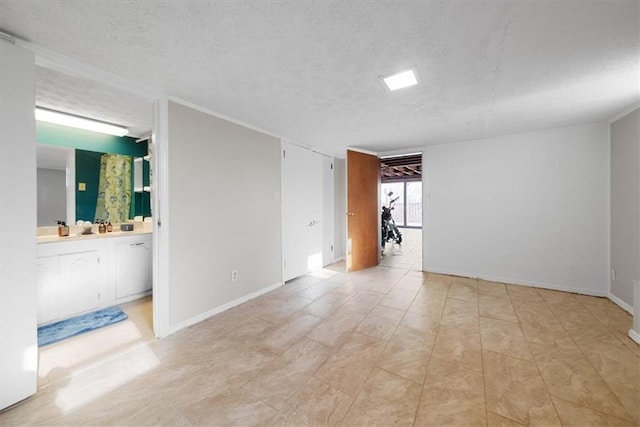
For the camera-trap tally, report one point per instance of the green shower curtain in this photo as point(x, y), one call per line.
point(114, 188)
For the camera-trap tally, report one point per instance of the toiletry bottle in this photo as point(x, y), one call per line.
point(102, 228)
point(64, 229)
point(59, 228)
point(109, 227)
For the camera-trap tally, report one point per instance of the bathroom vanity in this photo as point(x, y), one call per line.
point(81, 273)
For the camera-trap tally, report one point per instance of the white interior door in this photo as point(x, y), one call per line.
point(302, 210)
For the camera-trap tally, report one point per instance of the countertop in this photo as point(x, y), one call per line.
point(72, 237)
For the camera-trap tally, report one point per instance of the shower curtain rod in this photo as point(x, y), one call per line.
point(144, 138)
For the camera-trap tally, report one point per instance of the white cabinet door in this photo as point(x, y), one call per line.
point(133, 267)
point(80, 282)
point(47, 287)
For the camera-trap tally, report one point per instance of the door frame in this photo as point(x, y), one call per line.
point(157, 99)
point(425, 190)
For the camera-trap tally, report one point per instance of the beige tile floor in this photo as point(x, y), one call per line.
point(385, 346)
point(71, 356)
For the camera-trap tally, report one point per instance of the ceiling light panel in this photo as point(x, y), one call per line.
point(77, 122)
point(400, 80)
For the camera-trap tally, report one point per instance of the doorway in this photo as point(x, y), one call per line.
point(401, 179)
point(129, 287)
point(401, 186)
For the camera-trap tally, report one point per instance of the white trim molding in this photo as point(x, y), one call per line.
point(203, 316)
point(623, 305)
point(511, 281)
point(624, 112)
point(222, 116)
point(160, 213)
point(54, 61)
point(401, 152)
point(634, 332)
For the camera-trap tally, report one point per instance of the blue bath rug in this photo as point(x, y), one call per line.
point(54, 332)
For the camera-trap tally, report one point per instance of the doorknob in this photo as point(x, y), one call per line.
point(351, 214)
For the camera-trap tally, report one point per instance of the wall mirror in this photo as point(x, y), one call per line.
point(76, 184)
point(84, 97)
point(55, 184)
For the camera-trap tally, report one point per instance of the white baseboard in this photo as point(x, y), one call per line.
point(634, 333)
point(512, 281)
point(626, 307)
point(129, 298)
point(203, 316)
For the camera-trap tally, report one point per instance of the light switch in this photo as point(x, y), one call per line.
point(82, 186)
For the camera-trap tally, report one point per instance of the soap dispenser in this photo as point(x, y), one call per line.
point(109, 227)
point(102, 228)
point(63, 229)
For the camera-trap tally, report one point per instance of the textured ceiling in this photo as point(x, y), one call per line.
point(87, 98)
point(308, 70)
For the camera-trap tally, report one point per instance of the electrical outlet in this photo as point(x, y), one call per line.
point(613, 275)
point(234, 275)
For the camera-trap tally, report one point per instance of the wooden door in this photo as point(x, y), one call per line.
point(363, 182)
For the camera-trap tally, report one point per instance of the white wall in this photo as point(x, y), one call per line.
point(529, 208)
point(625, 205)
point(223, 213)
point(340, 208)
point(18, 340)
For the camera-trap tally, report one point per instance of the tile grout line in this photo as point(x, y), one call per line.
point(585, 357)
point(593, 367)
point(374, 363)
point(535, 359)
point(252, 336)
point(484, 383)
point(426, 374)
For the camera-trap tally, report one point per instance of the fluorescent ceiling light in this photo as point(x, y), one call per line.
point(401, 80)
point(77, 122)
